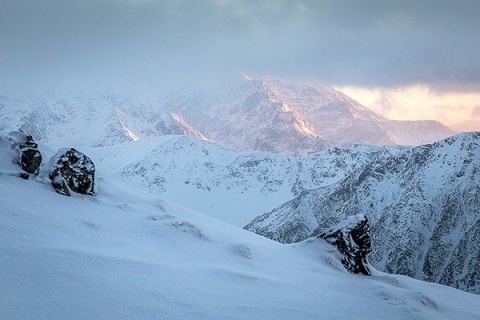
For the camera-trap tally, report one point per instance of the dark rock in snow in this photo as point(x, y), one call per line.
point(29, 157)
point(72, 170)
point(352, 239)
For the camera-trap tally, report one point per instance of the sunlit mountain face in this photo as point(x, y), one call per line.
point(279, 116)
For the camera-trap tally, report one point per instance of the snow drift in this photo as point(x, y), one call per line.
point(129, 254)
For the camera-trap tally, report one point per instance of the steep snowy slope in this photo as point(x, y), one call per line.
point(331, 113)
point(423, 203)
point(294, 118)
point(244, 116)
point(127, 254)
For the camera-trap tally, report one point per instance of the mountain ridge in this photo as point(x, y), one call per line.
point(266, 115)
point(394, 182)
point(247, 181)
point(430, 193)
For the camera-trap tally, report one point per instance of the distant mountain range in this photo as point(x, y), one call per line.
point(266, 115)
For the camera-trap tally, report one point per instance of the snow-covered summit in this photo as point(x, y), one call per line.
point(267, 115)
point(294, 118)
point(245, 116)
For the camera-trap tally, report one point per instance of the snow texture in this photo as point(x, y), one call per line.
point(129, 254)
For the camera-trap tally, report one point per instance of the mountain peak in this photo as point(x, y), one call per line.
point(272, 115)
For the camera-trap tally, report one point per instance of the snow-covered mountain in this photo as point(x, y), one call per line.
point(87, 119)
point(423, 204)
point(247, 116)
point(266, 115)
point(295, 118)
point(422, 201)
point(233, 186)
point(289, 118)
point(125, 253)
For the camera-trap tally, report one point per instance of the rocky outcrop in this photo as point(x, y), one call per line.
point(71, 170)
point(28, 156)
point(352, 239)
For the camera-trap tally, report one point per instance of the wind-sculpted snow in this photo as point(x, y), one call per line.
point(423, 204)
point(127, 254)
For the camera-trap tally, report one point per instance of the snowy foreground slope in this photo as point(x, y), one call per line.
point(126, 254)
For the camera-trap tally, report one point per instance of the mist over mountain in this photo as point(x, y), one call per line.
point(303, 116)
point(274, 116)
point(267, 115)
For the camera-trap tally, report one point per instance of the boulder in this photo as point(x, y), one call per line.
point(71, 170)
point(352, 239)
point(29, 157)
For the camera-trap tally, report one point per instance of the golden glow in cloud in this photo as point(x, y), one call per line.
point(460, 111)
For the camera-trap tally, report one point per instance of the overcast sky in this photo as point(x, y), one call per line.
point(152, 43)
point(367, 43)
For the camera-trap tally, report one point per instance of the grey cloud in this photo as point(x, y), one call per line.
point(154, 43)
